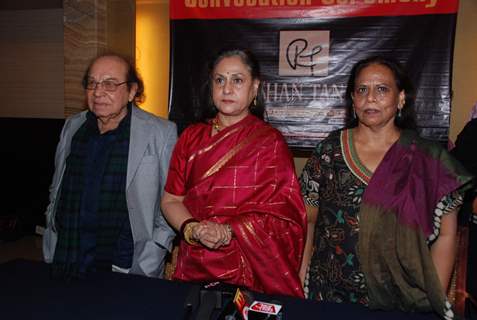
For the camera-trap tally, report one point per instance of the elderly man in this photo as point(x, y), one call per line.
point(110, 169)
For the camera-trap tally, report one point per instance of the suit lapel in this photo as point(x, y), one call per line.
point(138, 141)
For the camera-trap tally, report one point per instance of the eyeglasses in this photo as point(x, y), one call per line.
point(107, 85)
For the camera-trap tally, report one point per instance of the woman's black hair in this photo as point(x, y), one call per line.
point(407, 118)
point(132, 75)
point(207, 110)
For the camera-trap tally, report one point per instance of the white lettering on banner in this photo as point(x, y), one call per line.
point(432, 4)
point(241, 3)
point(301, 91)
point(293, 3)
point(314, 112)
point(214, 3)
point(427, 3)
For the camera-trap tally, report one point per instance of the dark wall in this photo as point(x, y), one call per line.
point(27, 162)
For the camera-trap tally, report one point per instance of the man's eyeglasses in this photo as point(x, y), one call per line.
point(107, 85)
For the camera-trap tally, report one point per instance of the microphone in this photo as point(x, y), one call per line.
point(208, 303)
point(191, 302)
point(216, 301)
point(236, 308)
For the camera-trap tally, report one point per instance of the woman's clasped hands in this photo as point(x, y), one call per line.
point(212, 235)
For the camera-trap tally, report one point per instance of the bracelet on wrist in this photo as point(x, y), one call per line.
point(188, 233)
point(185, 223)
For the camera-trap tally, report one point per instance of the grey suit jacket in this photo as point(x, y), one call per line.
point(151, 143)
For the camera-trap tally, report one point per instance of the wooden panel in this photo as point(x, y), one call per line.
point(92, 27)
point(84, 38)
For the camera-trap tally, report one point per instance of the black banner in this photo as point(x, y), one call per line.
point(306, 64)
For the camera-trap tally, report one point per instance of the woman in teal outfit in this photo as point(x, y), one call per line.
point(387, 200)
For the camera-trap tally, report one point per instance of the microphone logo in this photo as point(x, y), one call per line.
point(264, 307)
point(242, 302)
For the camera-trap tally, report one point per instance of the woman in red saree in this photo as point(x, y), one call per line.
point(232, 190)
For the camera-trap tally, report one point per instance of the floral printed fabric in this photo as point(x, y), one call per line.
point(328, 182)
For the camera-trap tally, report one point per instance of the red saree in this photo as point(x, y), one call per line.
point(243, 176)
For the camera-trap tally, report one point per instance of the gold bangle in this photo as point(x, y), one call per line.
point(184, 223)
point(188, 234)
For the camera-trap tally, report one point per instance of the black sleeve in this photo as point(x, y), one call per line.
point(466, 147)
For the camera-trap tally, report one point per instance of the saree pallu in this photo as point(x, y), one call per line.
point(243, 176)
point(396, 222)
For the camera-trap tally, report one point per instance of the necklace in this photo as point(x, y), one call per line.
point(216, 124)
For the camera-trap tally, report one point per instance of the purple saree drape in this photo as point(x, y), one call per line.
point(397, 220)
